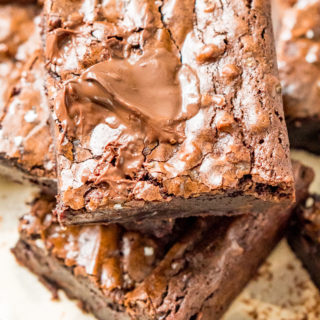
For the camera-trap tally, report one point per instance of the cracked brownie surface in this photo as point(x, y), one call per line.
point(165, 108)
point(25, 131)
point(16, 28)
point(120, 273)
point(298, 52)
point(26, 149)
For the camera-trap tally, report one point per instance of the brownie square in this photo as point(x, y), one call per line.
point(298, 48)
point(26, 145)
point(304, 236)
point(165, 109)
point(117, 273)
point(26, 149)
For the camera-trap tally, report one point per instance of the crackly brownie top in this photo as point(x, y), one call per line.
point(299, 59)
point(25, 132)
point(156, 99)
point(16, 37)
point(24, 135)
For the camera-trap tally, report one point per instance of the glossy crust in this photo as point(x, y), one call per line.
point(121, 274)
point(26, 143)
point(298, 51)
point(304, 236)
point(214, 143)
point(26, 149)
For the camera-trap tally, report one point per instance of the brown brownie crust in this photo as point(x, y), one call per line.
point(17, 26)
point(298, 49)
point(127, 149)
point(26, 143)
point(122, 274)
point(26, 149)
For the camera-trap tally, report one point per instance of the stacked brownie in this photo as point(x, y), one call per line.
point(215, 140)
point(304, 235)
point(298, 47)
point(121, 274)
point(26, 149)
point(158, 126)
point(298, 44)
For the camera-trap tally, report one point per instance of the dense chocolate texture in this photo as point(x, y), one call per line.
point(304, 236)
point(299, 66)
point(164, 108)
point(120, 274)
point(26, 149)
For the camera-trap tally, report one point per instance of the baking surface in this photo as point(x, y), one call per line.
point(281, 290)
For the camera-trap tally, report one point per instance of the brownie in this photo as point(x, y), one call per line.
point(298, 47)
point(26, 149)
point(165, 108)
point(304, 236)
point(118, 273)
point(26, 145)
point(17, 26)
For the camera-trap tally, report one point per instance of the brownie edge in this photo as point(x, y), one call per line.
point(122, 274)
point(232, 252)
point(26, 149)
